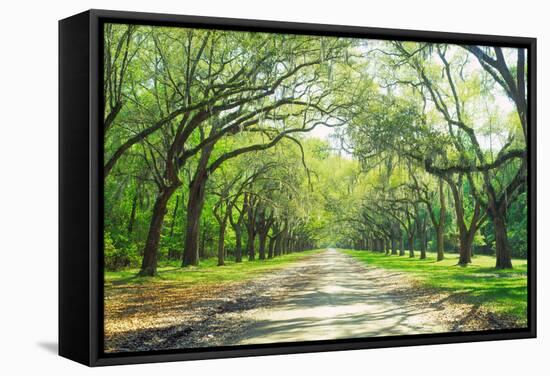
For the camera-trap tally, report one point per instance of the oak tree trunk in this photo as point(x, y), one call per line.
point(194, 209)
point(221, 243)
point(150, 252)
point(440, 242)
point(271, 247)
point(411, 245)
point(465, 251)
point(440, 227)
point(174, 216)
point(423, 244)
point(250, 246)
point(261, 250)
point(133, 213)
point(195, 203)
point(238, 245)
point(503, 254)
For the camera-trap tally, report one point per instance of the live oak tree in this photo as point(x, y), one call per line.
point(449, 91)
point(230, 191)
point(511, 76)
point(498, 188)
point(223, 85)
point(435, 202)
point(286, 104)
point(211, 146)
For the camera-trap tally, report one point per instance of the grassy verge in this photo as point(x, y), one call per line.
point(206, 272)
point(500, 291)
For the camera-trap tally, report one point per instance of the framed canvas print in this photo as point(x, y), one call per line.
point(240, 187)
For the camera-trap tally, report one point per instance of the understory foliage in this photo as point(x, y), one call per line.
point(252, 145)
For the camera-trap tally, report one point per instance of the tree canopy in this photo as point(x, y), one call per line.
point(243, 144)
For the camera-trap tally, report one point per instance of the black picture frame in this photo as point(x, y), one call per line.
point(81, 185)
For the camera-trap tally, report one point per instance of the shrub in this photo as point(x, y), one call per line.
point(118, 258)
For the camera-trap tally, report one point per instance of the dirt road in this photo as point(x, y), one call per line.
point(329, 295)
point(337, 297)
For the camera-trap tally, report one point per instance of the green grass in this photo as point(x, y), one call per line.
point(500, 291)
point(206, 272)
